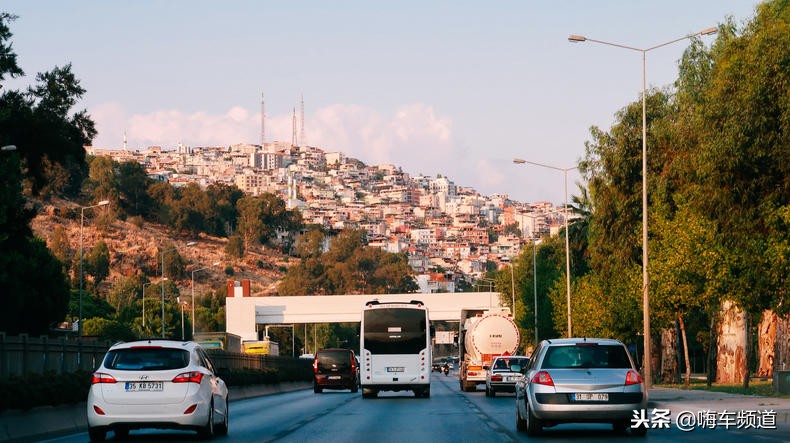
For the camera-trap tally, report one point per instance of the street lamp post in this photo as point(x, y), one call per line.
point(144, 285)
point(193, 295)
point(163, 283)
point(645, 279)
point(567, 241)
point(82, 222)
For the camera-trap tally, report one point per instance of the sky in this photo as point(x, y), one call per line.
point(457, 88)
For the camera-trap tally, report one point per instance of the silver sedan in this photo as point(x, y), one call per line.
point(580, 380)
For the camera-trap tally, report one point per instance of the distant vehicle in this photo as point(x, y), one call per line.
point(335, 369)
point(395, 346)
point(484, 333)
point(218, 340)
point(156, 384)
point(261, 347)
point(579, 380)
point(503, 373)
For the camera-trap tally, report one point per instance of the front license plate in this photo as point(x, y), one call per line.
point(591, 397)
point(395, 369)
point(334, 377)
point(139, 386)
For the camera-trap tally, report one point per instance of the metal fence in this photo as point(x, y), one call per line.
point(21, 354)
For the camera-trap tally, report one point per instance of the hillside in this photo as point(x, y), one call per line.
point(136, 249)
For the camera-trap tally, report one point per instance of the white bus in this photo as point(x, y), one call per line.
point(395, 347)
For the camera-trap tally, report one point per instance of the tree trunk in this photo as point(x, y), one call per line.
point(747, 350)
point(766, 341)
point(781, 348)
point(731, 346)
point(685, 348)
point(669, 363)
point(712, 350)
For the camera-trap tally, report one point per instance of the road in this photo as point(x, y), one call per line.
point(449, 415)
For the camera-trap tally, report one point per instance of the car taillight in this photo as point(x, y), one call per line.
point(315, 366)
point(100, 377)
point(496, 378)
point(542, 378)
point(188, 377)
point(633, 378)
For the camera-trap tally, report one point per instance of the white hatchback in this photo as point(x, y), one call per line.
point(160, 384)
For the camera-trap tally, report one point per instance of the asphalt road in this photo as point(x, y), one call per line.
point(449, 415)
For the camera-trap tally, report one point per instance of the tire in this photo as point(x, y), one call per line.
point(369, 393)
point(97, 434)
point(121, 433)
point(207, 431)
point(317, 389)
point(222, 428)
point(521, 424)
point(355, 387)
point(534, 426)
point(488, 391)
point(641, 431)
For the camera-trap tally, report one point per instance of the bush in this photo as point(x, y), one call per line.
point(229, 270)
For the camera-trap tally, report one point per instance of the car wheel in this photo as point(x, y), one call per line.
point(640, 431)
point(492, 392)
point(534, 426)
point(97, 434)
point(521, 424)
point(222, 429)
point(317, 389)
point(355, 387)
point(369, 393)
point(207, 431)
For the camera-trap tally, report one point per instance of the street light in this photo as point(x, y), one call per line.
point(645, 279)
point(163, 283)
point(144, 285)
point(567, 242)
point(82, 222)
point(193, 295)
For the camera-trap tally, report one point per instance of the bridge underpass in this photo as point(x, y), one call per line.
point(245, 316)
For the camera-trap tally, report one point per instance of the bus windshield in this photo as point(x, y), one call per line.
point(395, 330)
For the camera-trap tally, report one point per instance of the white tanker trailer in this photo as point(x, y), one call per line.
point(484, 333)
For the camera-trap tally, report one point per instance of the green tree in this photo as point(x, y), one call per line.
point(133, 183)
point(107, 329)
point(235, 247)
point(97, 262)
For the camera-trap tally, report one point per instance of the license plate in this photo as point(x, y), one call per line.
point(334, 377)
point(591, 397)
point(395, 369)
point(139, 386)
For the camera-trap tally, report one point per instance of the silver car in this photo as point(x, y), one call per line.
point(503, 373)
point(579, 380)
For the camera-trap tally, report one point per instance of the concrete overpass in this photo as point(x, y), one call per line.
point(244, 314)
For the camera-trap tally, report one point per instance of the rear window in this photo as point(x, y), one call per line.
point(503, 364)
point(146, 359)
point(339, 360)
point(586, 356)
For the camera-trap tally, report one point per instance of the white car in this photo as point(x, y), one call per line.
point(160, 384)
point(503, 373)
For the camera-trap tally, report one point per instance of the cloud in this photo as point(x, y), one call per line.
point(413, 136)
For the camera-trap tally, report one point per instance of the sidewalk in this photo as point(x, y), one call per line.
point(678, 400)
point(48, 421)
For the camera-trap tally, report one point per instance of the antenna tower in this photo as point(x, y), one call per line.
point(263, 121)
point(301, 134)
point(293, 136)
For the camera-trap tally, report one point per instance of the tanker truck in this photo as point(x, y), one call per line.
point(483, 334)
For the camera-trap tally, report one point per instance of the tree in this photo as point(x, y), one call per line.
point(98, 262)
point(133, 183)
point(235, 247)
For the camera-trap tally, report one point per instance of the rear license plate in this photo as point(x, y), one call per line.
point(334, 377)
point(138, 386)
point(395, 369)
point(591, 397)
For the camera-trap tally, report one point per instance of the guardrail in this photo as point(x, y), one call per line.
point(22, 354)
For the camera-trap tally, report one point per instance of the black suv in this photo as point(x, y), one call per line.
point(335, 369)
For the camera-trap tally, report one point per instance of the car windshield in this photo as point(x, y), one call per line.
point(146, 359)
point(503, 364)
point(327, 360)
point(586, 356)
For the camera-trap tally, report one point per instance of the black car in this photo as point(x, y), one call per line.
point(335, 369)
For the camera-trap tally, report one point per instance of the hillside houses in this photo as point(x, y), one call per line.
point(448, 232)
